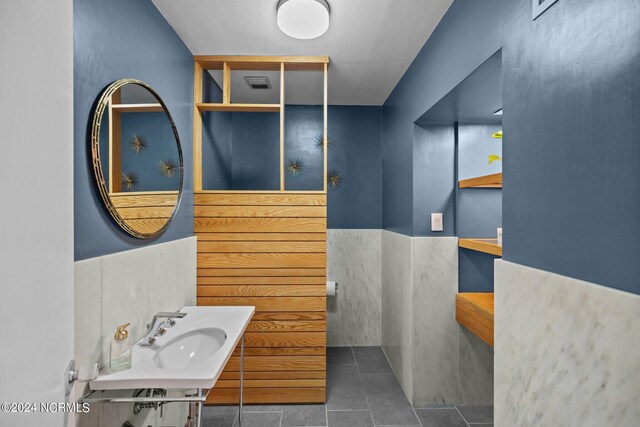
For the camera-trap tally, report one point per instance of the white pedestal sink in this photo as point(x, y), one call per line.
point(190, 355)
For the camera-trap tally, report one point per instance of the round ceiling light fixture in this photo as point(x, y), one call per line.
point(303, 19)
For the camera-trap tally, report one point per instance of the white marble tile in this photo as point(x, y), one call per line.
point(87, 329)
point(475, 384)
point(435, 330)
point(354, 261)
point(88, 307)
point(566, 351)
point(125, 294)
point(397, 290)
point(131, 287)
point(139, 283)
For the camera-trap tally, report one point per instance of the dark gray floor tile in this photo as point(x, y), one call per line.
point(440, 418)
point(262, 408)
point(349, 419)
point(340, 356)
point(371, 360)
point(219, 416)
point(344, 388)
point(477, 414)
point(259, 419)
point(304, 415)
point(389, 406)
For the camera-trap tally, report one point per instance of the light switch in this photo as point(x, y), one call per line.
point(436, 222)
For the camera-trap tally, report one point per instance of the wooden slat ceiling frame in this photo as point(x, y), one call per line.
point(265, 63)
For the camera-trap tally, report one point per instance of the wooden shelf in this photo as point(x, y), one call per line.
point(486, 181)
point(250, 108)
point(489, 246)
point(137, 108)
point(475, 312)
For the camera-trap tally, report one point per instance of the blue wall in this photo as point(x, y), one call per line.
point(357, 152)
point(571, 202)
point(114, 40)
point(572, 140)
point(155, 128)
point(217, 134)
point(302, 126)
point(255, 155)
point(469, 33)
point(434, 170)
point(254, 162)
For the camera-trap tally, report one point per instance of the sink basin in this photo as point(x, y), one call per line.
point(191, 354)
point(190, 348)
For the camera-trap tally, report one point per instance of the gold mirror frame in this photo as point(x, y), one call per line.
point(98, 113)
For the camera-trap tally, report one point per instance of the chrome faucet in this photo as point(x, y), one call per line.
point(157, 326)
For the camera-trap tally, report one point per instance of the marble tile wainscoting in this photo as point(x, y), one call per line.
point(129, 286)
point(566, 351)
point(354, 259)
point(437, 361)
point(397, 311)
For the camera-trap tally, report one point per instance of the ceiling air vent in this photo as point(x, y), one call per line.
point(258, 82)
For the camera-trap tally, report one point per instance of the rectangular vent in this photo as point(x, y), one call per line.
point(258, 82)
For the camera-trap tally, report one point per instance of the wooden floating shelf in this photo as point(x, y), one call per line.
point(486, 181)
point(137, 108)
point(474, 311)
point(489, 246)
point(249, 108)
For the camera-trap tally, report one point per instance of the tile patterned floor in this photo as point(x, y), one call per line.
point(362, 391)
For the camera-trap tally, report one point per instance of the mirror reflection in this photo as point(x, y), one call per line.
point(137, 158)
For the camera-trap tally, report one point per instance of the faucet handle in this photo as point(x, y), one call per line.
point(171, 314)
point(158, 324)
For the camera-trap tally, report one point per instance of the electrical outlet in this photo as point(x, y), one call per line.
point(437, 224)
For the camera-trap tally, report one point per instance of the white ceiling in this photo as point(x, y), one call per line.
point(371, 42)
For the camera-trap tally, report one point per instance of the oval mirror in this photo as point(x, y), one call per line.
point(137, 158)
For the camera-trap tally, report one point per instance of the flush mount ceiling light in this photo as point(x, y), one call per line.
point(498, 113)
point(303, 19)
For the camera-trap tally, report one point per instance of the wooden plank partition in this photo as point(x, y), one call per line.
point(268, 250)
